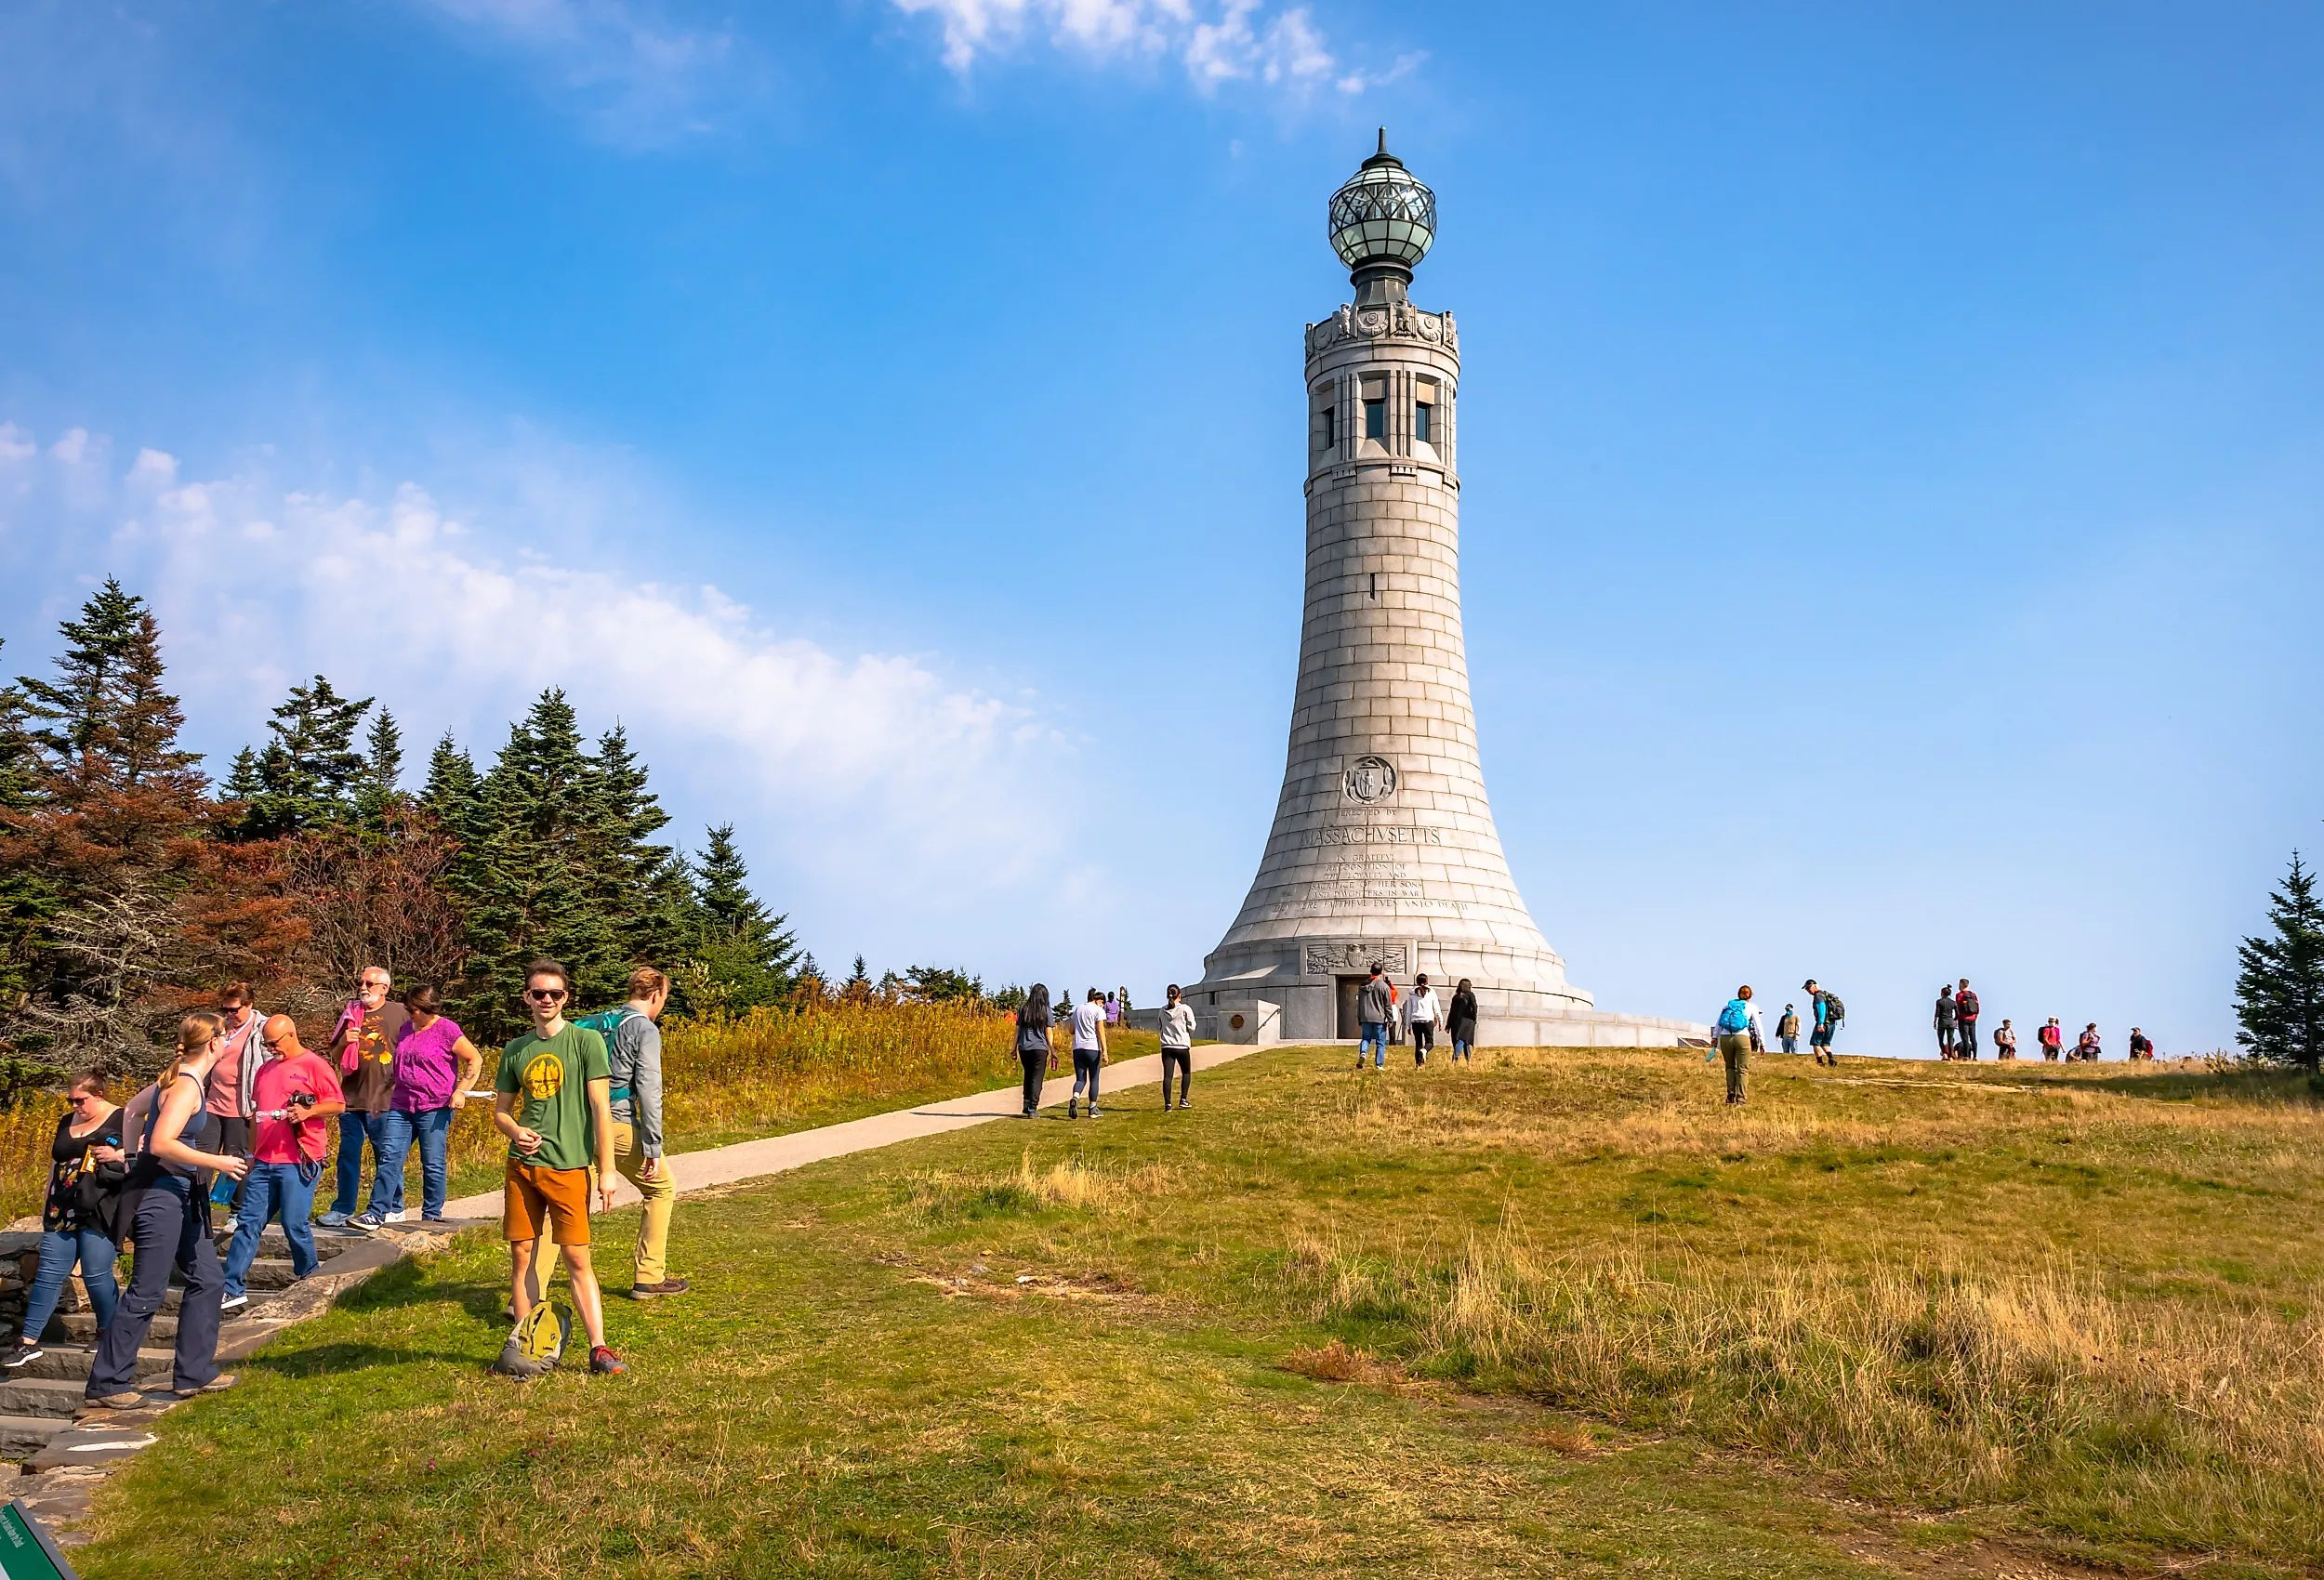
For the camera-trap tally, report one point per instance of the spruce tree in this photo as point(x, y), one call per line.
point(383, 755)
point(105, 723)
point(744, 957)
point(2279, 991)
point(311, 770)
point(645, 889)
point(528, 879)
point(453, 791)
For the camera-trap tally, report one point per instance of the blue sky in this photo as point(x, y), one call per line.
point(1890, 445)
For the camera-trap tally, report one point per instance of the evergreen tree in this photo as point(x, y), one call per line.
point(2279, 991)
point(309, 772)
point(382, 770)
point(105, 723)
point(645, 889)
point(452, 790)
point(528, 879)
point(742, 955)
point(26, 898)
point(242, 780)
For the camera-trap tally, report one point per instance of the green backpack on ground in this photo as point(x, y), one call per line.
point(537, 1344)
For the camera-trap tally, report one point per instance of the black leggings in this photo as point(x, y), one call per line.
point(164, 1228)
point(1086, 1066)
point(1423, 1039)
point(1182, 1059)
point(1036, 1063)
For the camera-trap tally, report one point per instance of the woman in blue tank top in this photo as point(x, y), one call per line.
point(167, 1227)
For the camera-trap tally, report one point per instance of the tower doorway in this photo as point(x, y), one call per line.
point(1350, 1006)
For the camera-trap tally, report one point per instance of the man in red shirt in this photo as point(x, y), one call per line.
point(296, 1094)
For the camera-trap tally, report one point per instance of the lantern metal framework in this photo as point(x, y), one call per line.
point(1383, 222)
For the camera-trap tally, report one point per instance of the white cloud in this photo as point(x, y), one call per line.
point(869, 765)
point(73, 447)
point(640, 78)
point(1215, 40)
point(15, 443)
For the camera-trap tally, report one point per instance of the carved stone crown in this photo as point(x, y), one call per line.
point(1396, 321)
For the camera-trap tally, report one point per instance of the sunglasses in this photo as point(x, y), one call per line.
point(544, 995)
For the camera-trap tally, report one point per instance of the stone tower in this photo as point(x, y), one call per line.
point(1383, 847)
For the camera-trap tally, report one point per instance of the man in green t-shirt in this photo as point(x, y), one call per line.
point(555, 1107)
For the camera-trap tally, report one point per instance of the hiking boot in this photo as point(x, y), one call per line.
point(604, 1363)
point(233, 1303)
point(217, 1383)
point(26, 1355)
point(114, 1401)
point(655, 1291)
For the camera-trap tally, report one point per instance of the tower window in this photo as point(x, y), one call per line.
point(1376, 584)
point(1424, 422)
point(1376, 420)
point(1328, 430)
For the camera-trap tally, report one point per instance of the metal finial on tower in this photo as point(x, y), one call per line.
point(1383, 222)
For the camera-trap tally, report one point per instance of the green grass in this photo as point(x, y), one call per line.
point(1561, 1315)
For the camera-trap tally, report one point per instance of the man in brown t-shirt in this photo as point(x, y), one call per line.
point(363, 1050)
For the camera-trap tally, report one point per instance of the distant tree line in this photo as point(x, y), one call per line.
point(130, 887)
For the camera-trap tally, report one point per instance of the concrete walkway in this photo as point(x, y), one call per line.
point(775, 1154)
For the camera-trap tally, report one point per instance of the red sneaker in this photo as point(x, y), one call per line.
point(604, 1363)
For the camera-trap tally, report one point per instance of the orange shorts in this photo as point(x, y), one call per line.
point(533, 1194)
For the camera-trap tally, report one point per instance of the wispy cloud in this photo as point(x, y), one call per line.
point(871, 765)
point(1217, 42)
point(640, 76)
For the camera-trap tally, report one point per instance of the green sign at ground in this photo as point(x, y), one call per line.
point(26, 1553)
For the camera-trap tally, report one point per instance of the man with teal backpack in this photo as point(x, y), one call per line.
point(1734, 1027)
point(634, 1046)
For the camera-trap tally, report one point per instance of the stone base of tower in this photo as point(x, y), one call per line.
point(1301, 990)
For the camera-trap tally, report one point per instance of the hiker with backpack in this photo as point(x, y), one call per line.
point(1829, 1012)
point(1965, 1011)
point(2005, 1042)
point(553, 1102)
point(162, 1220)
point(2052, 1037)
point(633, 1041)
point(1734, 1027)
point(80, 1217)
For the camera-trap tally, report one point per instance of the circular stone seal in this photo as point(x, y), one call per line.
point(1368, 778)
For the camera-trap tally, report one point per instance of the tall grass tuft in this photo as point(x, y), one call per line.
point(1920, 1383)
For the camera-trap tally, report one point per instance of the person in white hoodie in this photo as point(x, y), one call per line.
point(1424, 1014)
point(1178, 1048)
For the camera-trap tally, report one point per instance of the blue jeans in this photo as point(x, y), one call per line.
point(59, 1250)
point(434, 1126)
point(354, 1130)
point(272, 1189)
point(1376, 1041)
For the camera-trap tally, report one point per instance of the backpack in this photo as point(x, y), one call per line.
point(1834, 1011)
point(1735, 1017)
point(606, 1022)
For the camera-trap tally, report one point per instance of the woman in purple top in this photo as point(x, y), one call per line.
point(435, 1065)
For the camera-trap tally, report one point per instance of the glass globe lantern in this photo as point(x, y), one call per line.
point(1382, 221)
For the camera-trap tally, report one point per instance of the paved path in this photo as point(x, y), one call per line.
point(774, 1154)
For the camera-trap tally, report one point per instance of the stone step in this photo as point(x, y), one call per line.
point(40, 1396)
point(71, 1362)
point(329, 1242)
point(80, 1328)
point(23, 1436)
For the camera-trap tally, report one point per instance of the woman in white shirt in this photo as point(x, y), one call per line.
point(1088, 1049)
point(1424, 1013)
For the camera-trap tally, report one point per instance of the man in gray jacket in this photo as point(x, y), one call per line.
point(1374, 1009)
point(635, 1052)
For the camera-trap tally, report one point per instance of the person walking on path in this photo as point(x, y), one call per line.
point(1735, 1042)
point(2051, 1036)
point(298, 1094)
point(636, 1097)
point(1788, 1029)
point(2086, 1049)
point(362, 1044)
point(1946, 1022)
point(434, 1065)
point(226, 1095)
point(1422, 1012)
point(1034, 1050)
point(1375, 1006)
point(1178, 1047)
point(2005, 1042)
point(554, 1105)
point(1113, 1010)
point(1966, 1010)
point(1460, 1022)
point(165, 1228)
point(1088, 1049)
point(1829, 1017)
point(80, 1217)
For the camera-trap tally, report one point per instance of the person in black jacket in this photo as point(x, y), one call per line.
point(1033, 1047)
point(1460, 1022)
point(79, 1220)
